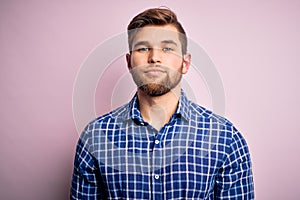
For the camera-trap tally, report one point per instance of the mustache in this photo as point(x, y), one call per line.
point(152, 67)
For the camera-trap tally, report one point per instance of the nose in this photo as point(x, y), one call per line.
point(154, 56)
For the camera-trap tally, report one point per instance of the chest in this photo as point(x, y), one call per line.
point(176, 162)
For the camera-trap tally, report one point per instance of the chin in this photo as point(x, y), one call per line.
point(154, 90)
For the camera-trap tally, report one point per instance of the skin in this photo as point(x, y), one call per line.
point(157, 62)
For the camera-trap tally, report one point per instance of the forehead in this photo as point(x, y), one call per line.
point(156, 34)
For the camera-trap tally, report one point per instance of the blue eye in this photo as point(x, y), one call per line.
point(167, 49)
point(143, 49)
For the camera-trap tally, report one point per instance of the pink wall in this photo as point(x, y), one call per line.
point(254, 45)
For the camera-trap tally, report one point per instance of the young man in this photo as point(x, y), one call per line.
point(161, 145)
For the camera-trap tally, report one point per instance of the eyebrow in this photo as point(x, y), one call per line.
point(140, 43)
point(169, 42)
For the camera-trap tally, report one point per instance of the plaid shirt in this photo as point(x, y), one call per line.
point(196, 155)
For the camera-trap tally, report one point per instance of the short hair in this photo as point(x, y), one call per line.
point(156, 16)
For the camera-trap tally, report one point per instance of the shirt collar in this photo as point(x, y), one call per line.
point(183, 109)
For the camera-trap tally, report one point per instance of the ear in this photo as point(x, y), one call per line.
point(128, 60)
point(186, 63)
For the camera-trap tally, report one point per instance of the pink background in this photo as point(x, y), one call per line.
point(254, 45)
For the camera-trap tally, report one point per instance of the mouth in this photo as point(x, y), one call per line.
point(154, 72)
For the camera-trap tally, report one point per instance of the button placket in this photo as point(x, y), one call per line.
point(157, 163)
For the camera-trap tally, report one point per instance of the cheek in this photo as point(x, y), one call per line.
point(137, 59)
point(174, 62)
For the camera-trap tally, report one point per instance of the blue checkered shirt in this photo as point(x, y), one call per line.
point(196, 155)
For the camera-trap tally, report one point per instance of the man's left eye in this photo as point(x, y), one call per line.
point(167, 49)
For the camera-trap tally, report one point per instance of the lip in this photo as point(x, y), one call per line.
point(154, 72)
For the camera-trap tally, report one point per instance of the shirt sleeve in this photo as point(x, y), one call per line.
point(85, 174)
point(235, 179)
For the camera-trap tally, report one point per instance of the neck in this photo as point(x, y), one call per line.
point(158, 110)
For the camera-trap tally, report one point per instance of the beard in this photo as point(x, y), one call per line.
point(156, 86)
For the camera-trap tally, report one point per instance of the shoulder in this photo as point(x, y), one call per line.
point(219, 126)
point(205, 114)
point(105, 121)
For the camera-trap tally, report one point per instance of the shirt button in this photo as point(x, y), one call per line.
point(156, 142)
point(156, 176)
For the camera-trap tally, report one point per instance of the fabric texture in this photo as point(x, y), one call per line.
point(196, 155)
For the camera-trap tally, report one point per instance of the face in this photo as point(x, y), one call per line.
point(156, 61)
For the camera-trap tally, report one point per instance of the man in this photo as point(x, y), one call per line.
point(161, 145)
